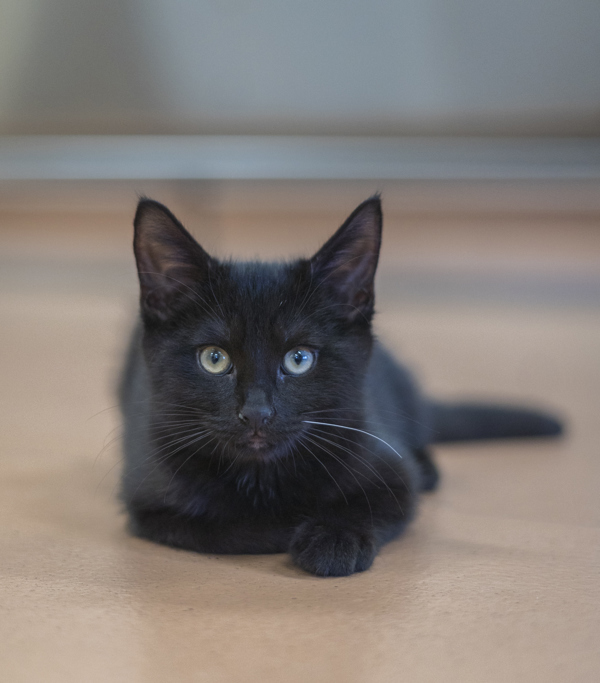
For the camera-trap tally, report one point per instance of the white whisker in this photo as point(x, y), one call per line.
point(354, 429)
point(352, 471)
point(325, 468)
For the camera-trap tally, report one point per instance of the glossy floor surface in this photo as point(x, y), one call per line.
point(484, 291)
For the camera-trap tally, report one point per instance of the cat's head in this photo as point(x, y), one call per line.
point(248, 351)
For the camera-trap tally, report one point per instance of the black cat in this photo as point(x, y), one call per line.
point(261, 416)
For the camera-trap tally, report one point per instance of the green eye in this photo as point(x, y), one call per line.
point(298, 361)
point(214, 360)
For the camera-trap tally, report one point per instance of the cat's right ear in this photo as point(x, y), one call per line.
point(347, 262)
point(169, 261)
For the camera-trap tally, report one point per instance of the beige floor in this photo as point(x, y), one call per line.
point(489, 290)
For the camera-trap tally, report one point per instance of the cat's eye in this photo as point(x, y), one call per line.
point(214, 360)
point(298, 361)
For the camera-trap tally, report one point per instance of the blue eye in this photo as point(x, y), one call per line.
point(298, 361)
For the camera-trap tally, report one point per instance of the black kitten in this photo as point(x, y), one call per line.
point(261, 416)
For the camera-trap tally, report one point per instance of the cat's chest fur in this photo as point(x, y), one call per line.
point(255, 490)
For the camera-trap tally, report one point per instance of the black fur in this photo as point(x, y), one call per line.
point(233, 463)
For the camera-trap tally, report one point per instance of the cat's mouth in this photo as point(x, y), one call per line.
point(262, 447)
point(256, 442)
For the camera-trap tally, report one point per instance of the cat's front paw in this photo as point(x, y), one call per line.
point(327, 550)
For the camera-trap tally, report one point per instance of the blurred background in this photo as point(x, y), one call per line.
point(262, 124)
point(428, 67)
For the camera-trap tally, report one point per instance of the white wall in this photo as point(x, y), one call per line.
point(342, 66)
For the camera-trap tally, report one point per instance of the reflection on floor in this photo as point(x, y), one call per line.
point(498, 578)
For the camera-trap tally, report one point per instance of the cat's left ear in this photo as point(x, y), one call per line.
point(170, 262)
point(347, 262)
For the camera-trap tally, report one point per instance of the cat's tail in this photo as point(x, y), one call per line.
point(477, 421)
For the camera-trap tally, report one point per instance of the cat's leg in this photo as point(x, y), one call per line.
point(207, 536)
point(429, 471)
point(344, 539)
point(332, 547)
point(338, 546)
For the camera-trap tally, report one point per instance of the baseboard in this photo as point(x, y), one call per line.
point(131, 157)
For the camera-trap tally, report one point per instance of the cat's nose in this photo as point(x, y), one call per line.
point(255, 416)
point(256, 410)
